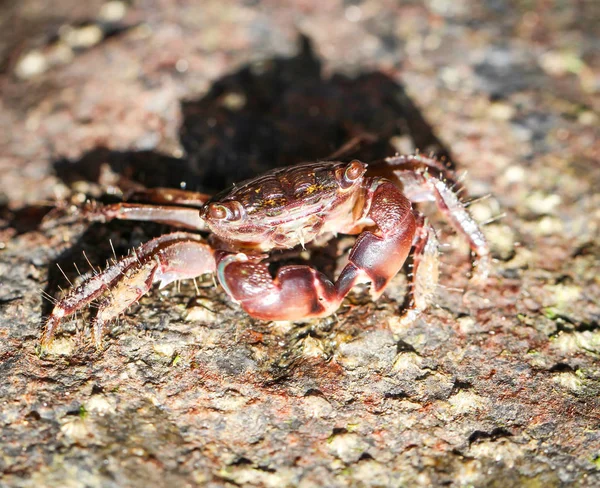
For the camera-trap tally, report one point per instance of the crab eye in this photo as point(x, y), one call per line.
point(351, 174)
point(354, 170)
point(230, 211)
point(217, 211)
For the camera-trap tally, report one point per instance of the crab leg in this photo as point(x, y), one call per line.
point(168, 258)
point(184, 217)
point(426, 179)
point(179, 208)
point(352, 146)
point(425, 271)
point(299, 292)
point(169, 196)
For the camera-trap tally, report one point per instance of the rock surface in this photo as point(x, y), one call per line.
point(495, 386)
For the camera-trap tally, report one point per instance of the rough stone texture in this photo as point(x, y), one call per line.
point(496, 386)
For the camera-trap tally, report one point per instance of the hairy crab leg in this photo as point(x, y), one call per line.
point(299, 292)
point(425, 271)
point(168, 258)
point(426, 179)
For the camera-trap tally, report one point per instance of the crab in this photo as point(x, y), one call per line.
point(232, 234)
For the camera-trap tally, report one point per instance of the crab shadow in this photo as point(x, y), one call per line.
point(270, 113)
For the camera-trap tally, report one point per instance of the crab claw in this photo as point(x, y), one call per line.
point(296, 292)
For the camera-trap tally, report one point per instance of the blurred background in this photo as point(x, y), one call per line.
point(227, 89)
point(495, 387)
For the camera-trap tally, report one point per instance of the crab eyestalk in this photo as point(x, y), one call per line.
point(349, 176)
